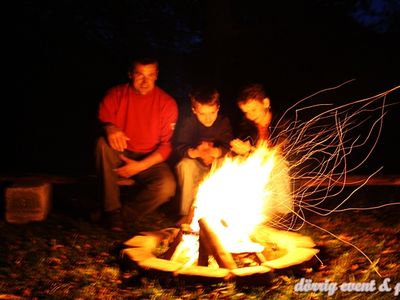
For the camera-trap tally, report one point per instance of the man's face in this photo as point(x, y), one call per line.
point(206, 114)
point(144, 78)
point(254, 110)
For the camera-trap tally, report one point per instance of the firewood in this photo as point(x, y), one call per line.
point(261, 257)
point(204, 250)
point(215, 246)
point(172, 248)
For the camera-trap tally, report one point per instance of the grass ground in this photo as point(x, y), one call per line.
point(69, 257)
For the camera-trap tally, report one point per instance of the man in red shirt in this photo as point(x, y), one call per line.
point(139, 119)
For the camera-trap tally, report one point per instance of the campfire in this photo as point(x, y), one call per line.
point(241, 207)
point(227, 235)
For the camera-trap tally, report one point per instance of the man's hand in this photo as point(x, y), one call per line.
point(131, 167)
point(116, 138)
point(240, 147)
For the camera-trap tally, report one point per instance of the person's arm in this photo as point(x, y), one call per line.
point(241, 147)
point(169, 117)
point(185, 137)
point(221, 136)
point(115, 137)
point(151, 160)
point(224, 137)
point(246, 138)
point(133, 167)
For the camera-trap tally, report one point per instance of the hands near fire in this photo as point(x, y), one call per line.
point(206, 152)
point(116, 138)
point(240, 147)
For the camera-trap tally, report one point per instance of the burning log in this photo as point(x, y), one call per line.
point(261, 257)
point(290, 249)
point(204, 251)
point(173, 246)
point(211, 244)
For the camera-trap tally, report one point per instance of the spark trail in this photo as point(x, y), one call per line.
point(324, 149)
point(322, 145)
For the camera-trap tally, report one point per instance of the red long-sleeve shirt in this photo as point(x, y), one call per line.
point(148, 120)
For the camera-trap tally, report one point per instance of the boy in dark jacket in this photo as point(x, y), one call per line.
point(201, 139)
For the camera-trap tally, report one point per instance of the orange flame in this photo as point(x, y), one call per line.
point(242, 193)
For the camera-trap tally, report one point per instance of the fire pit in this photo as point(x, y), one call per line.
point(226, 237)
point(202, 257)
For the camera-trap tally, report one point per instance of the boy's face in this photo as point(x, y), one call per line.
point(255, 110)
point(206, 114)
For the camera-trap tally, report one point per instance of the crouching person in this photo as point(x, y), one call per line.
point(258, 127)
point(201, 139)
point(138, 119)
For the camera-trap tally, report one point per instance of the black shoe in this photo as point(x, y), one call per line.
point(115, 222)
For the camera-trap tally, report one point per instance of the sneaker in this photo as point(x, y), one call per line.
point(115, 222)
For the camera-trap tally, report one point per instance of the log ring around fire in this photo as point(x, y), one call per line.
point(142, 249)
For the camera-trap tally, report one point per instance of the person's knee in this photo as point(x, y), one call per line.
point(164, 186)
point(104, 151)
point(101, 144)
point(168, 187)
point(186, 165)
point(102, 147)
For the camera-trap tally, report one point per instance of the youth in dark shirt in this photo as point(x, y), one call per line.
point(201, 139)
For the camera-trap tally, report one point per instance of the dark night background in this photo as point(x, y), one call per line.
point(66, 54)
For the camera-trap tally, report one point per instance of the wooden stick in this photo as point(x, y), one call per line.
point(212, 242)
point(204, 250)
point(171, 250)
point(261, 257)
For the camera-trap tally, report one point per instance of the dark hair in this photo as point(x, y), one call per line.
point(204, 95)
point(253, 91)
point(143, 61)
